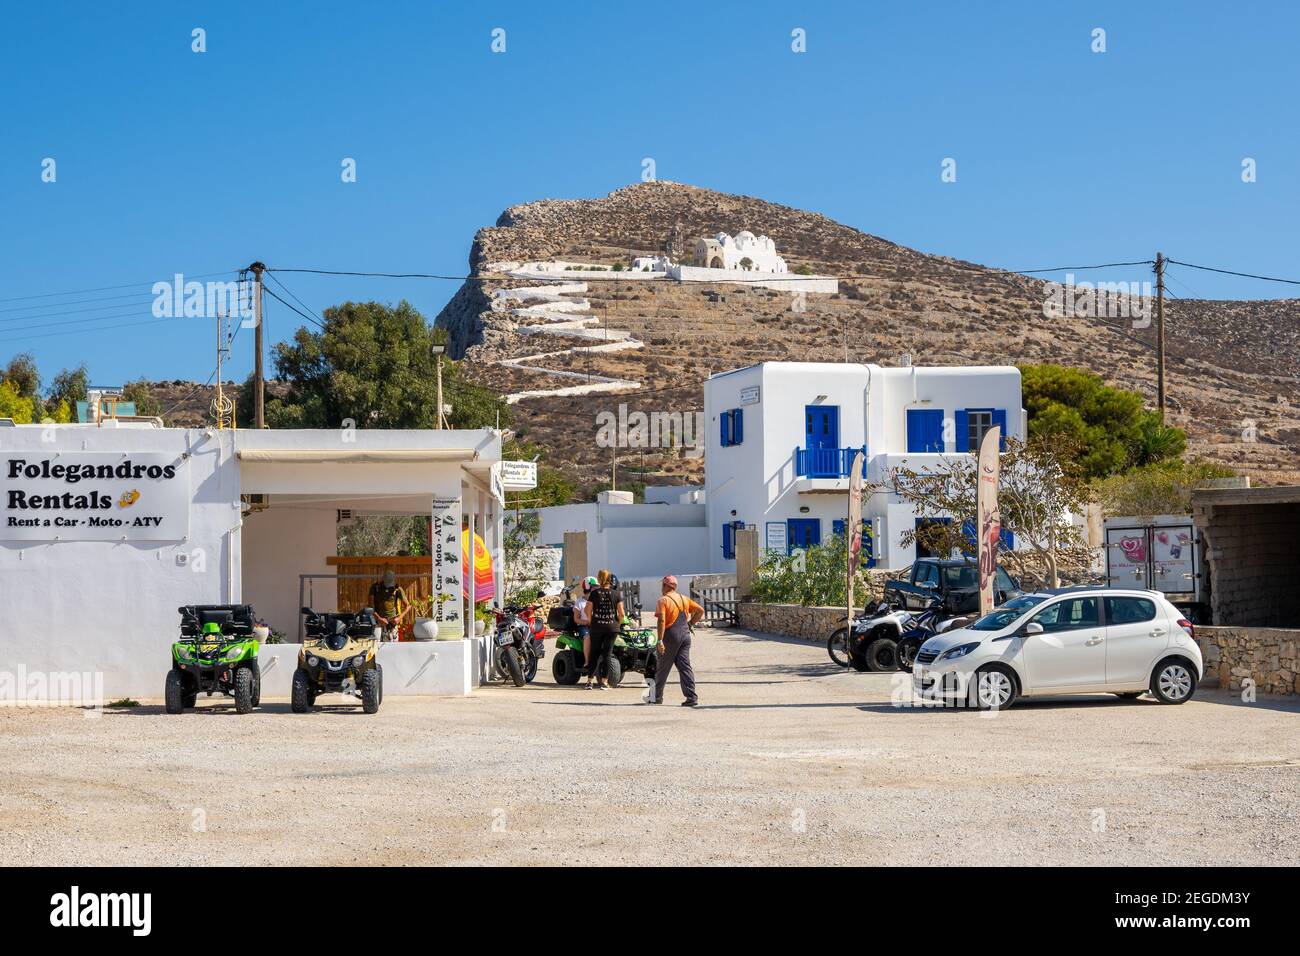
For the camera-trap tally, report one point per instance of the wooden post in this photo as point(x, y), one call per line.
point(1160, 335)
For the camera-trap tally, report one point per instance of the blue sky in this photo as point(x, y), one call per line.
point(172, 161)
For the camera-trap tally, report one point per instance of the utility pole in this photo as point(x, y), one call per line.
point(1160, 335)
point(437, 357)
point(259, 377)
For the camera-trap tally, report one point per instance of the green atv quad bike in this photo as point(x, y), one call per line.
point(635, 648)
point(217, 652)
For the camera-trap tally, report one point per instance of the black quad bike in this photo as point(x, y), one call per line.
point(216, 653)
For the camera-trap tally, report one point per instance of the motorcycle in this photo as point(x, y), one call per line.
point(517, 642)
point(933, 620)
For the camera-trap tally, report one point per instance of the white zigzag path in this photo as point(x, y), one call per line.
point(548, 310)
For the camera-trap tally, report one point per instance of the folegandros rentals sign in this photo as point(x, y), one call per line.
point(94, 496)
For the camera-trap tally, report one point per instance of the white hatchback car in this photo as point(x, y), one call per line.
point(1066, 641)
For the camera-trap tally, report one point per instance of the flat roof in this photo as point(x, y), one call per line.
point(1220, 497)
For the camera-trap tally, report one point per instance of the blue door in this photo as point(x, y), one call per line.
point(924, 430)
point(802, 533)
point(822, 439)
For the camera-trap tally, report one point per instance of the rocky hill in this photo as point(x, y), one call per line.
point(1233, 366)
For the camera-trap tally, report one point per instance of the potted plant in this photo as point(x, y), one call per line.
point(425, 627)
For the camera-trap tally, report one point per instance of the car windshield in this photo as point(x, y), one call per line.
point(960, 576)
point(1005, 615)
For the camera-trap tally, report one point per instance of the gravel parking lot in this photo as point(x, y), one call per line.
point(789, 760)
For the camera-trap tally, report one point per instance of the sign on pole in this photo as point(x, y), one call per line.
point(853, 527)
point(988, 520)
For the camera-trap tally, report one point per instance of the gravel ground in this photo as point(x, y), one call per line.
point(788, 760)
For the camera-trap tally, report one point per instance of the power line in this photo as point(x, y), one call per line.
point(1229, 272)
point(110, 288)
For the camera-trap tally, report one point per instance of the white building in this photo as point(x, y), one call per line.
point(744, 251)
point(666, 534)
point(780, 437)
point(106, 529)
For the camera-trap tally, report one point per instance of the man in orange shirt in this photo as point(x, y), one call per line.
point(675, 616)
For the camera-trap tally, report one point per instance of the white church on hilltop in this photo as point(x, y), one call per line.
point(745, 251)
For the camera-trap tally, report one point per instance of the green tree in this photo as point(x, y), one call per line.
point(15, 405)
point(1109, 427)
point(373, 364)
point(68, 387)
point(1039, 488)
point(141, 393)
point(1157, 489)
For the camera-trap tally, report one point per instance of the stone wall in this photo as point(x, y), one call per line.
point(792, 620)
point(1267, 655)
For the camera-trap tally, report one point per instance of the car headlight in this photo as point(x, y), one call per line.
point(313, 661)
point(952, 653)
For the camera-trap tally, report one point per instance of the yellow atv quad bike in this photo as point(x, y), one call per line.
point(338, 657)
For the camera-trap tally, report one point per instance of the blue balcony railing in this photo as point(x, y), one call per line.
point(827, 462)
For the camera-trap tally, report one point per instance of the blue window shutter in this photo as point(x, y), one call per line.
point(837, 526)
point(1000, 418)
point(724, 422)
point(961, 426)
point(738, 426)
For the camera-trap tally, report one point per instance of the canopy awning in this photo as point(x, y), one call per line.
point(356, 456)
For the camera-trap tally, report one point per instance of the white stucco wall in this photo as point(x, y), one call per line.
point(110, 607)
point(633, 541)
point(755, 481)
point(278, 545)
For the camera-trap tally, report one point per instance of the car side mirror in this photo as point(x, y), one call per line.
point(1032, 628)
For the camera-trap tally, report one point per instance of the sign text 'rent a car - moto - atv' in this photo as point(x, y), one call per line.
point(90, 496)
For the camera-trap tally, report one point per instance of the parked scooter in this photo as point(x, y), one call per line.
point(517, 642)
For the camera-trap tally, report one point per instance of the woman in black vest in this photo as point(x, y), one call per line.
point(606, 614)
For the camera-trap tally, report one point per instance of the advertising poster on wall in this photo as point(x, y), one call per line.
point(448, 610)
point(94, 496)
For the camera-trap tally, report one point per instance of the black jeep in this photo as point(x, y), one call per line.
point(954, 581)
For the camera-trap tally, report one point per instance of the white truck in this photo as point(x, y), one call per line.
point(1160, 553)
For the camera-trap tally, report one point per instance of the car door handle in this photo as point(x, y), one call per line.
point(1095, 640)
point(1157, 631)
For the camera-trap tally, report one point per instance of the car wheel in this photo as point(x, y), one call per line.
point(174, 692)
point(882, 654)
point(243, 691)
point(837, 646)
point(1173, 681)
point(300, 697)
point(993, 688)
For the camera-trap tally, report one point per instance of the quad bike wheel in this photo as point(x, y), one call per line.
point(564, 668)
point(174, 692)
point(615, 673)
point(513, 667)
point(243, 691)
point(371, 690)
point(257, 690)
point(301, 696)
point(882, 654)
